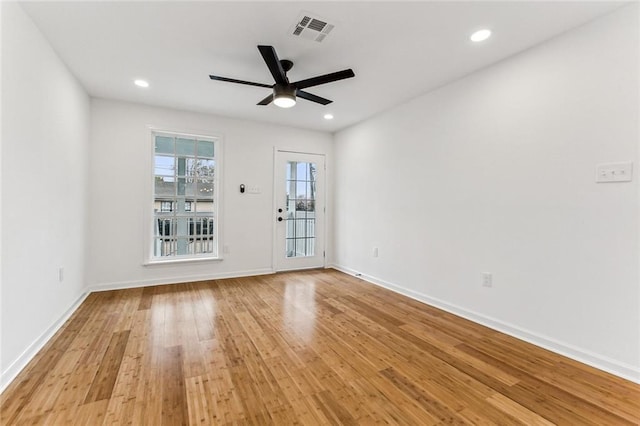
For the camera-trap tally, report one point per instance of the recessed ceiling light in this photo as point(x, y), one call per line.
point(141, 83)
point(480, 35)
point(328, 116)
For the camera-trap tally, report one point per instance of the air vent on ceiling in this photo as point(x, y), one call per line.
point(311, 27)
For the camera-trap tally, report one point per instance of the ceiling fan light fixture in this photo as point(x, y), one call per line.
point(284, 96)
point(284, 100)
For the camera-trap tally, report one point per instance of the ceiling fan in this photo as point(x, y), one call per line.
point(285, 93)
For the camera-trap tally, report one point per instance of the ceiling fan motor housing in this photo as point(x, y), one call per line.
point(284, 90)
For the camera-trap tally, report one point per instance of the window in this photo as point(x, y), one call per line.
point(185, 189)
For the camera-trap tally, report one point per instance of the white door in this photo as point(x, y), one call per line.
point(299, 210)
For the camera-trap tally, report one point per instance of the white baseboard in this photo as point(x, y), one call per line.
point(175, 280)
point(21, 362)
point(598, 361)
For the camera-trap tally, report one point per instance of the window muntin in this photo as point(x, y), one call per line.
point(185, 197)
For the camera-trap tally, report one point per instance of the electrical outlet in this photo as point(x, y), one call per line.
point(375, 252)
point(487, 279)
point(60, 274)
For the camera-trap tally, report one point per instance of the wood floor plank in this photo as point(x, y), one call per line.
point(437, 409)
point(174, 398)
point(314, 347)
point(146, 298)
point(127, 308)
point(94, 333)
point(91, 414)
point(332, 409)
point(105, 379)
point(517, 411)
point(203, 305)
point(123, 398)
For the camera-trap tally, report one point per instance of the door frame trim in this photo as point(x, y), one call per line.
point(274, 202)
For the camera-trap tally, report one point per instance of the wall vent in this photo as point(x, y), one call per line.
point(311, 27)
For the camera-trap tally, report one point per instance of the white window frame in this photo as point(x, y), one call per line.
point(149, 254)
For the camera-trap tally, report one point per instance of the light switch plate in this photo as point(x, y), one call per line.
point(487, 279)
point(614, 172)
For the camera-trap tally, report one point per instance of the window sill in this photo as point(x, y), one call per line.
point(179, 261)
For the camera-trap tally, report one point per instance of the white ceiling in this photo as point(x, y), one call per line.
point(398, 50)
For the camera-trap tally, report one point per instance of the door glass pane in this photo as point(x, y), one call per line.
point(300, 217)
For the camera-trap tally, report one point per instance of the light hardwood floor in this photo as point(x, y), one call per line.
point(313, 347)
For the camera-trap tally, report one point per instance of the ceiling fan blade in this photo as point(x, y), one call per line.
point(266, 101)
point(323, 79)
point(233, 80)
point(269, 55)
point(313, 98)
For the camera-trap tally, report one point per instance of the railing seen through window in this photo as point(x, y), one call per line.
point(185, 198)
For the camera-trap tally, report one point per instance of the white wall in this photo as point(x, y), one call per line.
point(45, 130)
point(120, 186)
point(495, 172)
